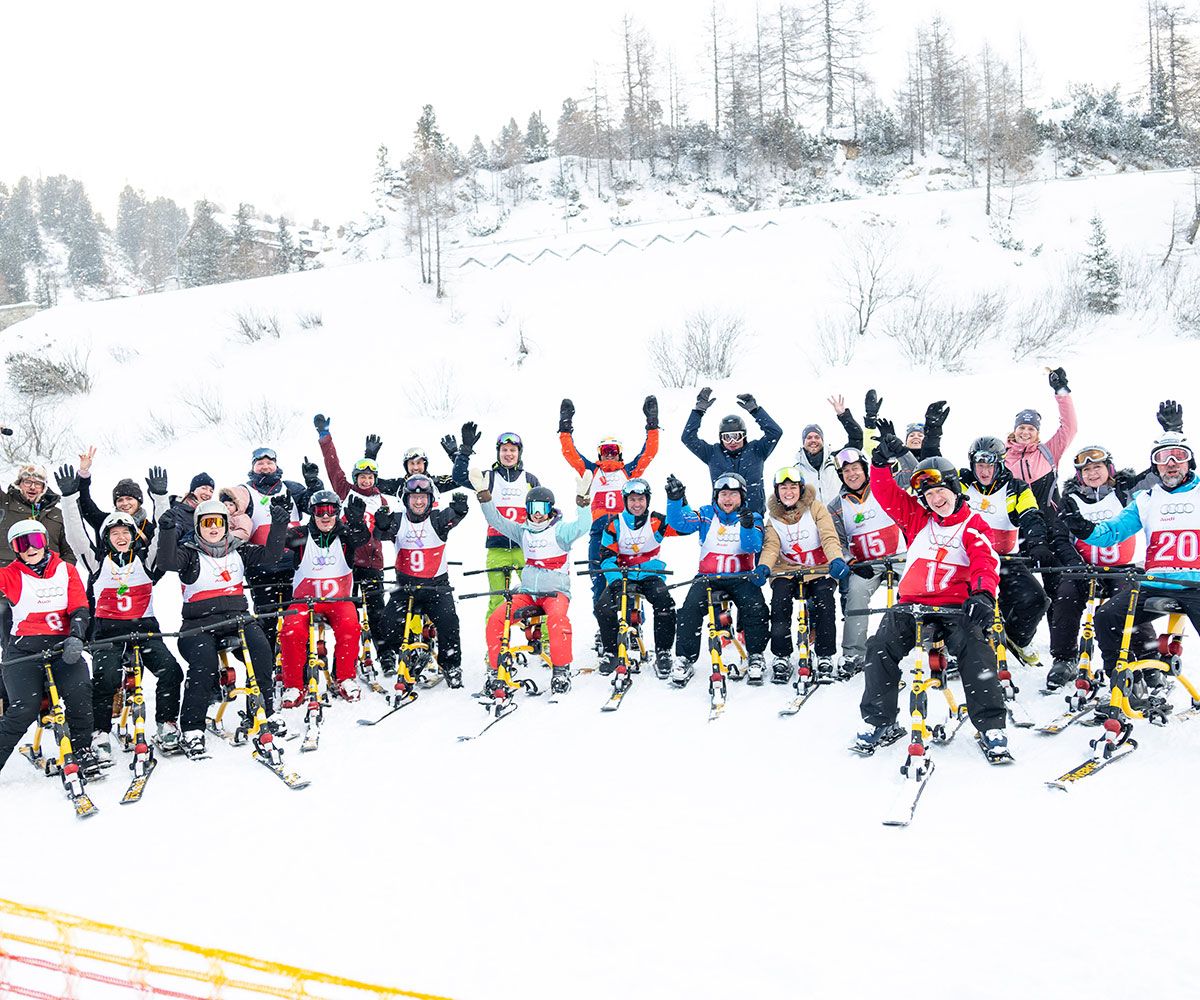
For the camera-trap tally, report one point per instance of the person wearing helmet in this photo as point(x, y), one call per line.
point(127, 495)
point(731, 535)
point(633, 538)
point(1094, 492)
point(270, 584)
point(868, 532)
point(122, 568)
point(820, 470)
point(951, 562)
point(416, 463)
point(507, 483)
point(610, 472)
point(49, 612)
point(1168, 517)
point(733, 452)
point(545, 537)
point(1033, 461)
point(420, 533)
point(800, 533)
point(213, 569)
point(363, 482)
point(1017, 525)
point(323, 551)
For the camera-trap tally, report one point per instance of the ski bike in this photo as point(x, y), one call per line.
point(725, 643)
point(808, 680)
point(369, 667)
point(316, 666)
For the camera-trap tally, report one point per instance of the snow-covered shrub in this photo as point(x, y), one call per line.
point(942, 336)
point(39, 433)
point(253, 326)
point(38, 375)
point(435, 394)
point(310, 319)
point(706, 348)
point(264, 423)
point(837, 340)
point(205, 404)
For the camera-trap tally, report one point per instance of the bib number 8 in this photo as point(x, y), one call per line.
point(54, 620)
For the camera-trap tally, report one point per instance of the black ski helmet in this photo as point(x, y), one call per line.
point(991, 448)
point(933, 473)
point(729, 481)
point(539, 495)
point(419, 484)
point(732, 424)
point(323, 498)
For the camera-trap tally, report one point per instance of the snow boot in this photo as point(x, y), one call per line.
point(870, 740)
point(560, 680)
point(349, 689)
point(294, 698)
point(849, 667)
point(608, 663)
point(755, 670)
point(663, 662)
point(682, 672)
point(193, 744)
point(1063, 672)
point(453, 676)
point(781, 670)
point(994, 744)
point(168, 738)
point(824, 670)
point(89, 762)
point(102, 746)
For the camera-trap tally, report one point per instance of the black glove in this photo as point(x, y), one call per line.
point(889, 445)
point(166, 521)
point(746, 518)
point(470, 436)
point(356, 509)
point(675, 489)
point(72, 649)
point(650, 409)
point(980, 609)
point(1058, 380)
point(156, 480)
point(68, 481)
point(1170, 415)
point(566, 417)
point(281, 508)
point(458, 504)
point(450, 445)
point(321, 423)
point(1042, 555)
point(309, 470)
point(384, 518)
point(871, 405)
point(705, 399)
point(1077, 524)
point(372, 445)
point(858, 569)
point(935, 416)
point(747, 402)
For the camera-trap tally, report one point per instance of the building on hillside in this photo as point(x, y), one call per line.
point(261, 256)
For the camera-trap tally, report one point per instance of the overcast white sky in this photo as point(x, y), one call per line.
point(283, 103)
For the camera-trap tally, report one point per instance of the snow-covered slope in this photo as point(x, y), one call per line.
point(646, 853)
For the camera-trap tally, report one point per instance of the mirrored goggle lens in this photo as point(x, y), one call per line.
point(639, 487)
point(1173, 454)
point(925, 479)
point(212, 521)
point(849, 455)
point(540, 507)
point(727, 483)
point(365, 465)
point(986, 458)
point(418, 484)
point(264, 453)
point(509, 438)
point(325, 510)
point(35, 540)
point(1090, 455)
point(610, 450)
point(729, 436)
point(792, 474)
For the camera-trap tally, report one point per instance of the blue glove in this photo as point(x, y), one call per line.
point(612, 576)
point(839, 569)
point(651, 567)
point(760, 574)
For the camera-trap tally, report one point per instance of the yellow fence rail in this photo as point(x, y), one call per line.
point(48, 955)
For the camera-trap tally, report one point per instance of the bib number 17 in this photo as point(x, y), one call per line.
point(938, 577)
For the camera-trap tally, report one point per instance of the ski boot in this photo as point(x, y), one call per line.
point(349, 689)
point(102, 747)
point(994, 744)
point(193, 745)
point(560, 680)
point(168, 739)
point(293, 698)
point(755, 670)
point(387, 663)
point(453, 676)
point(824, 670)
point(1027, 654)
point(663, 662)
point(682, 672)
point(607, 664)
point(89, 762)
point(277, 725)
point(1063, 672)
point(848, 668)
point(491, 680)
point(781, 670)
point(870, 740)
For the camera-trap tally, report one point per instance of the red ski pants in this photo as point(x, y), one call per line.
point(343, 618)
point(558, 626)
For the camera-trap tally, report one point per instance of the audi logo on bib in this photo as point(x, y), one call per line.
point(1177, 508)
point(50, 593)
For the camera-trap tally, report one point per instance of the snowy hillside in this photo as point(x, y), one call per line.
point(646, 853)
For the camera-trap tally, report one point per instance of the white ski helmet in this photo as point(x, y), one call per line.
point(115, 519)
point(26, 527)
point(211, 508)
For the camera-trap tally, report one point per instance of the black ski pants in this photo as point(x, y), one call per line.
point(822, 614)
point(370, 586)
point(693, 615)
point(26, 686)
point(200, 651)
point(654, 592)
point(108, 670)
point(1022, 602)
point(1070, 599)
point(897, 636)
point(1153, 602)
point(271, 592)
point(435, 599)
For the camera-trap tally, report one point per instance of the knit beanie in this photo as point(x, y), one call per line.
point(1028, 417)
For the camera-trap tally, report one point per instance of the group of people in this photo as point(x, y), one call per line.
point(832, 526)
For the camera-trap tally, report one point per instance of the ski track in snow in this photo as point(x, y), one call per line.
point(645, 852)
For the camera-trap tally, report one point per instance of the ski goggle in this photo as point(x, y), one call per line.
point(212, 521)
point(636, 486)
point(986, 458)
point(264, 453)
point(325, 510)
point(927, 479)
point(508, 437)
point(34, 540)
point(728, 483)
point(791, 474)
point(610, 451)
point(1089, 456)
point(366, 465)
point(730, 436)
point(541, 508)
point(848, 456)
point(418, 484)
point(1172, 453)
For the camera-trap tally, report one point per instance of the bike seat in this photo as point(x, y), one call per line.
point(230, 643)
